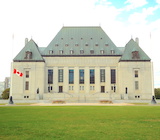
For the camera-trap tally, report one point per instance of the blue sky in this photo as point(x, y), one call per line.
point(42, 19)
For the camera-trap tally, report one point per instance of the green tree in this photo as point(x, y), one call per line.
point(5, 94)
point(157, 93)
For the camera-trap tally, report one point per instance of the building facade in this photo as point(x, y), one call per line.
point(1, 88)
point(82, 64)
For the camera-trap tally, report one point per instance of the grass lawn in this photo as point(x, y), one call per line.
point(80, 123)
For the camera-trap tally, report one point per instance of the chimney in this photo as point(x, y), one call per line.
point(137, 40)
point(26, 41)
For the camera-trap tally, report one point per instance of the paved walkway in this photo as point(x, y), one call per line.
point(82, 104)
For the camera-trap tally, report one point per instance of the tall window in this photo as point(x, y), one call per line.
point(136, 85)
point(92, 76)
point(113, 76)
point(27, 74)
point(102, 75)
point(60, 75)
point(71, 76)
point(136, 73)
point(27, 85)
point(50, 76)
point(81, 76)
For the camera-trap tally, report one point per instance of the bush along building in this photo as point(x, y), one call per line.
point(81, 64)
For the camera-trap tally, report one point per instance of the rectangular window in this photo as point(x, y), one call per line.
point(91, 87)
point(27, 74)
point(102, 75)
point(92, 76)
point(27, 85)
point(60, 75)
point(102, 89)
point(81, 87)
point(71, 76)
point(81, 76)
point(113, 76)
point(71, 87)
point(136, 73)
point(136, 85)
point(50, 76)
point(60, 89)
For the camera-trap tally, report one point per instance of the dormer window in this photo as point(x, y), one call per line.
point(81, 51)
point(96, 44)
point(112, 51)
point(71, 51)
point(60, 51)
point(76, 44)
point(66, 45)
point(50, 51)
point(86, 44)
point(28, 55)
point(92, 51)
point(102, 51)
point(106, 45)
point(135, 55)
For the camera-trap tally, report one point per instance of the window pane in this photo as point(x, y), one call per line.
point(136, 73)
point(102, 89)
point(71, 76)
point(50, 76)
point(81, 76)
point(102, 75)
point(136, 85)
point(27, 74)
point(60, 75)
point(27, 85)
point(60, 89)
point(92, 76)
point(113, 76)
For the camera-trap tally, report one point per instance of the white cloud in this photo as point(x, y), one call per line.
point(102, 2)
point(132, 4)
point(158, 1)
point(140, 17)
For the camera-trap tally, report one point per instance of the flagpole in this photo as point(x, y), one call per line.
point(11, 73)
point(153, 101)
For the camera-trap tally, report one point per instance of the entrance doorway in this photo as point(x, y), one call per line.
point(60, 89)
point(102, 89)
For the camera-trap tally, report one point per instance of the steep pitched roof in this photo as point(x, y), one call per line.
point(78, 39)
point(32, 47)
point(132, 47)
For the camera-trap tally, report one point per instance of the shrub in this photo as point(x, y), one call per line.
point(5, 94)
point(106, 101)
point(58, 102)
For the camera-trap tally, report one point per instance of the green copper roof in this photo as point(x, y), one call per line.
point(131, 47)
point(32, 47)
point(81, 41)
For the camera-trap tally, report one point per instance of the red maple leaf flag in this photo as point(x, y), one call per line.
point(18, 72)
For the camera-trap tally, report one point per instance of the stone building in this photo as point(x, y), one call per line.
point(82, 64)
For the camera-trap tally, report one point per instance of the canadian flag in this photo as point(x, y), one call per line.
point(18, 72)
